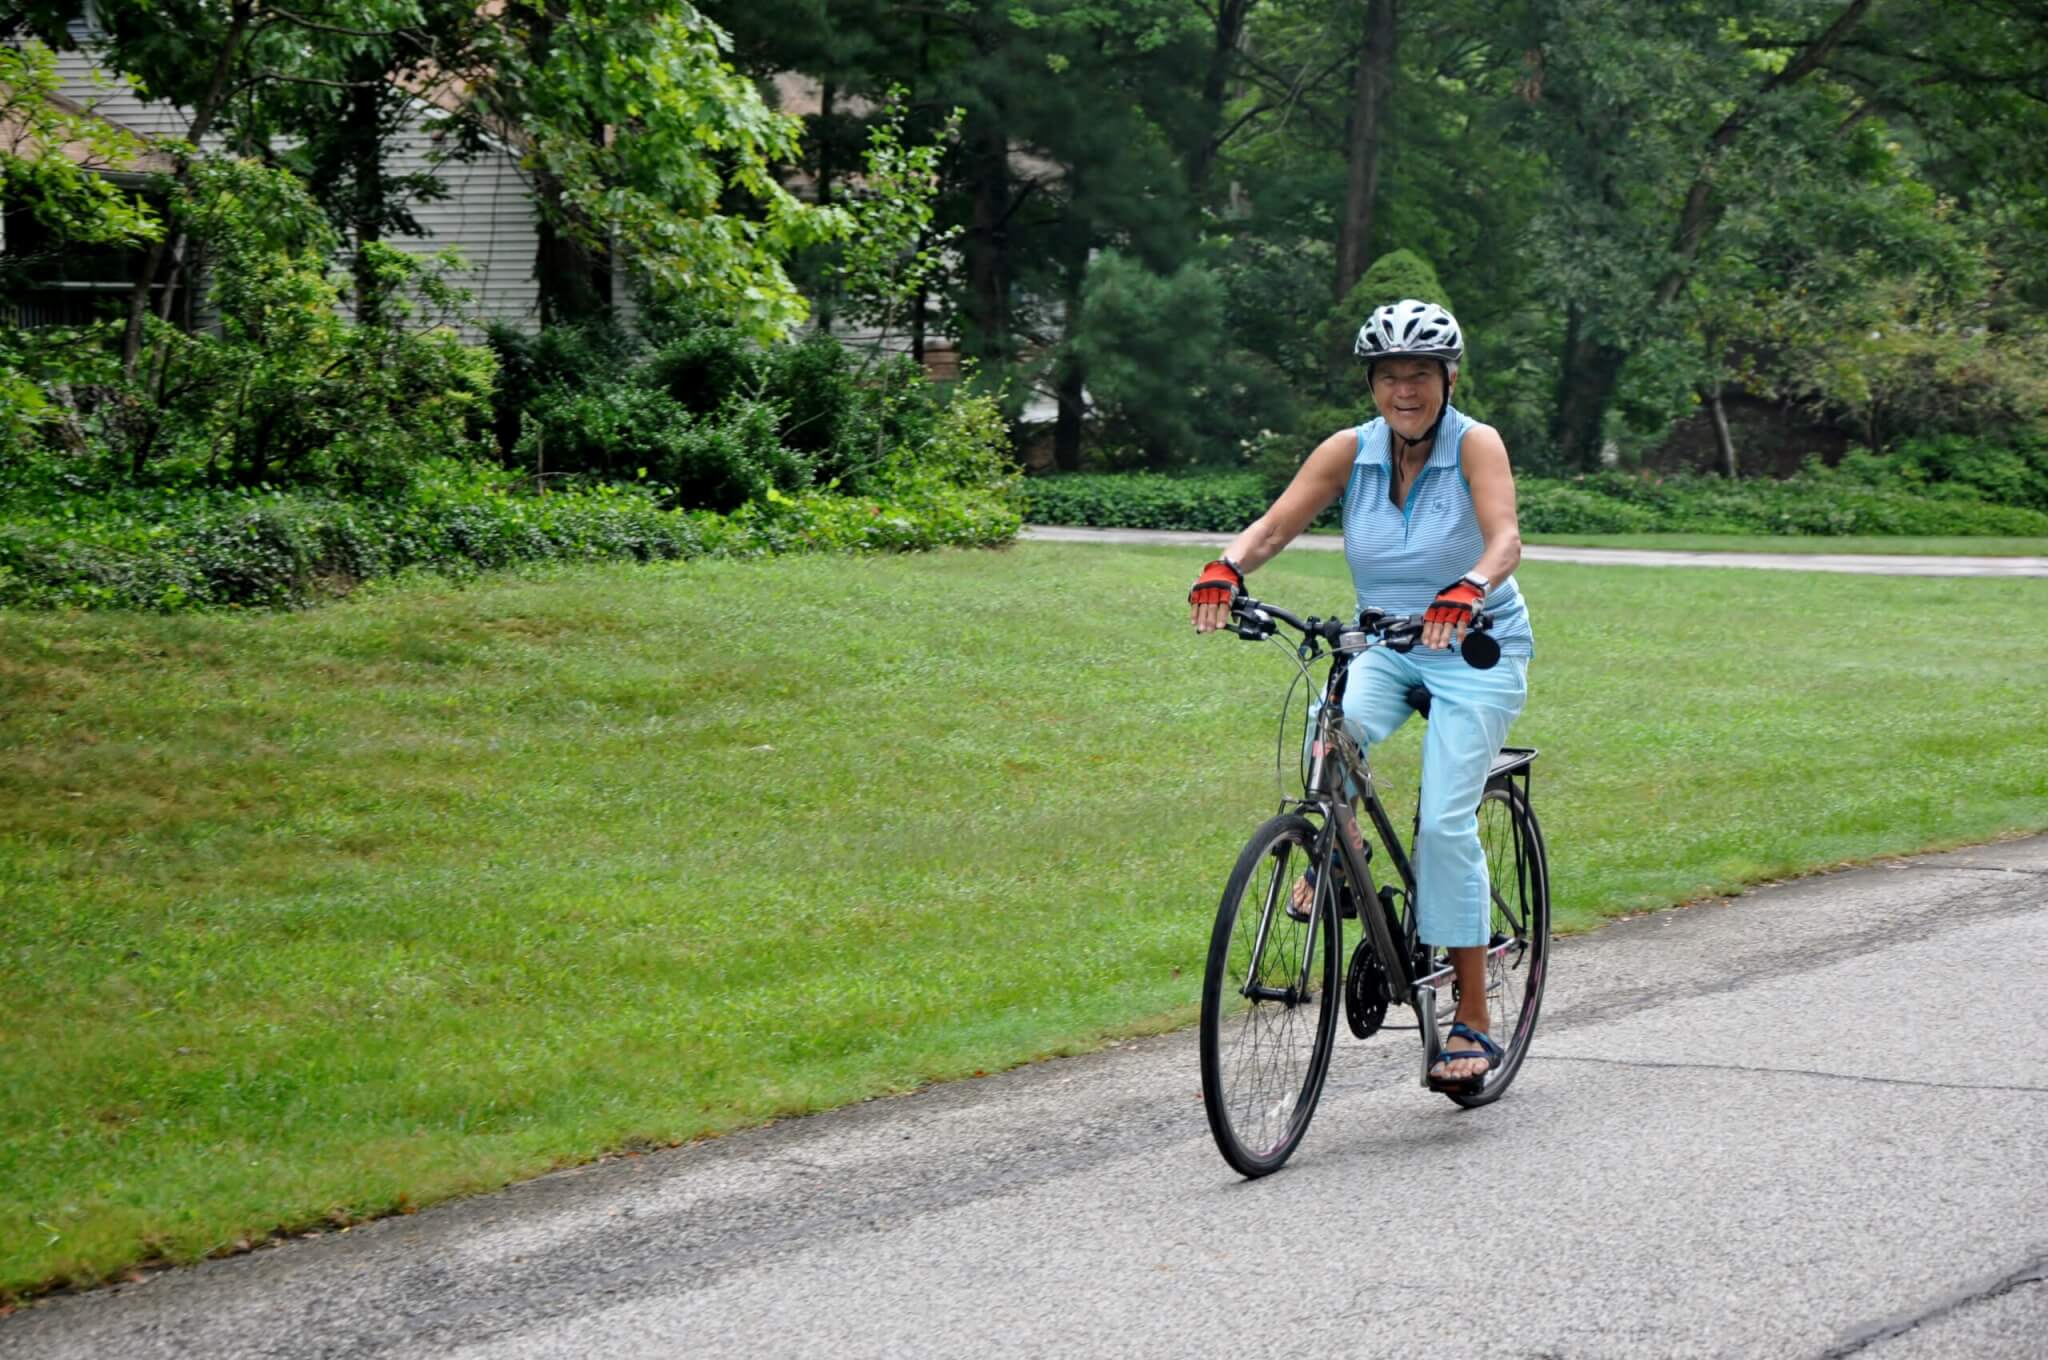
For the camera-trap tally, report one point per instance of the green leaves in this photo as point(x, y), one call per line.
point(51, 154)
point(645, 138)
point(893, 253)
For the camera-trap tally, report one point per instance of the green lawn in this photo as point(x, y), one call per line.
point(307, 917)
point(1956, 546)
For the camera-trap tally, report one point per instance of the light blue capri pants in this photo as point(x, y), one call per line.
point(1470, 712)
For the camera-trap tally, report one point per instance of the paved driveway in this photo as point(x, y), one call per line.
point(1868, 564)
point(1810, 1122)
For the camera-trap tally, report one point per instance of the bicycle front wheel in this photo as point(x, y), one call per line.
point(1518, 954)
point(1269, 1000)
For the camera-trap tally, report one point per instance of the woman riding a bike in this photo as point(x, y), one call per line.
point(1428, 507)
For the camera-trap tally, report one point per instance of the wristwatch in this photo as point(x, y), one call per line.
point(1473, 578)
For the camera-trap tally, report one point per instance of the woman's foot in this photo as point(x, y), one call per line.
point(1468, 1054)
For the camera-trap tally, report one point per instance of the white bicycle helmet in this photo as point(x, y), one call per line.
point(1409, 329)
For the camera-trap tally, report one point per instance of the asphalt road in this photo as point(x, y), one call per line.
point(1809, 1122)
point(1868, 564)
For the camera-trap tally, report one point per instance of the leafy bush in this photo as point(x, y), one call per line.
point(714, 416)
point(2017, 475)
point(704, 367)
point(1221, 502)
point(533, 364)
point(196, 548)
point(1819, 501)
point(627, 432)
point(292, 391)
point(1556, 507)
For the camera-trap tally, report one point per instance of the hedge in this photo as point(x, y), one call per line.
point(191, 549)
point(1818, 501)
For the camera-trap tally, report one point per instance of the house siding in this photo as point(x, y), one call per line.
point(487, 214)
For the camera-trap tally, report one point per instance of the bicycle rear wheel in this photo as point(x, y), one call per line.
point(1269, 1000)
point(1518, 954)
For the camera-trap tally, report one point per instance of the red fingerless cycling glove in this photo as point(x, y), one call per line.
point(1218, 584)
point(1455, 603)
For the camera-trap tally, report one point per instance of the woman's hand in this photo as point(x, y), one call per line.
point(1209, 601)
point(1450, 614)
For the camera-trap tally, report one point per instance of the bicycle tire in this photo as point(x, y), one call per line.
point(1519, 872)
point(1264, 1059)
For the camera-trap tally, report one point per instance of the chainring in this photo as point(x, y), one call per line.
point(1365, 992)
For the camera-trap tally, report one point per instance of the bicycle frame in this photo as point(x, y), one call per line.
point(1328, 773)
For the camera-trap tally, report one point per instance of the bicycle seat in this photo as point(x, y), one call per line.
point(1418, 699)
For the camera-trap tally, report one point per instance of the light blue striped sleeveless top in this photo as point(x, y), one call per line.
point(1401, 556)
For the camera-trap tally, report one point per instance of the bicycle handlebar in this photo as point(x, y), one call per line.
point(1255, 621)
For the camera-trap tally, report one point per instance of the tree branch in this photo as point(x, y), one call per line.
point(1700, 211)
point(321, 27)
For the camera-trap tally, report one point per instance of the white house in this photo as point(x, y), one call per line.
point(487, 214)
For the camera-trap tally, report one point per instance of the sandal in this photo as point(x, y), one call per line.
point(1488, 1049)
point(1347, 910)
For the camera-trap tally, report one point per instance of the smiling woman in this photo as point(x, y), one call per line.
point(1429, 528)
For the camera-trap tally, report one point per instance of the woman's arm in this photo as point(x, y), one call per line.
point(1320, 481)
point(1485, 462)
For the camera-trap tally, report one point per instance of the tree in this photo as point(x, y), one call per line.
point(643, 137)
point(52, 157)
point(1153, 348)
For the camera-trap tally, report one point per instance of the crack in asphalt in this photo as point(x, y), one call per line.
point(1794, 1072)
point(2033, 1272)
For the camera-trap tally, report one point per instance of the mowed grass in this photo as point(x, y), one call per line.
point(1951, 546)
point(311, 917)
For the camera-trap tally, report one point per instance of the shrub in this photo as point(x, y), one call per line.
point(2007, 476)
point(1222, 502)
point(627, 432)
point(291, 391)
point(813, 383)
point(199, 548)
point(1820, 501)
point(533, 365)
point(1551, 507)
point(703, 368)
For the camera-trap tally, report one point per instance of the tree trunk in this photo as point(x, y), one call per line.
point(572, 266)
point(575, 281)
point(1371, 93)
point(1066, 429)
point(367, 172)
point(986, 244)
point(1590, 372)
point(1228, 33)
point(1723, 442)
point(239, 16)
point(823, 311)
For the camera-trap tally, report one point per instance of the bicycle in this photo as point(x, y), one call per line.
point(1270, 989)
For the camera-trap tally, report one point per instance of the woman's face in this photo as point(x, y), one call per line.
point(1409, 393)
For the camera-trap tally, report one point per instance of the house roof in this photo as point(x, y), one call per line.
point(15, 134)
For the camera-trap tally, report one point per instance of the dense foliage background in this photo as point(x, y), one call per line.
point(1745, 239)
point(1818, 223)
